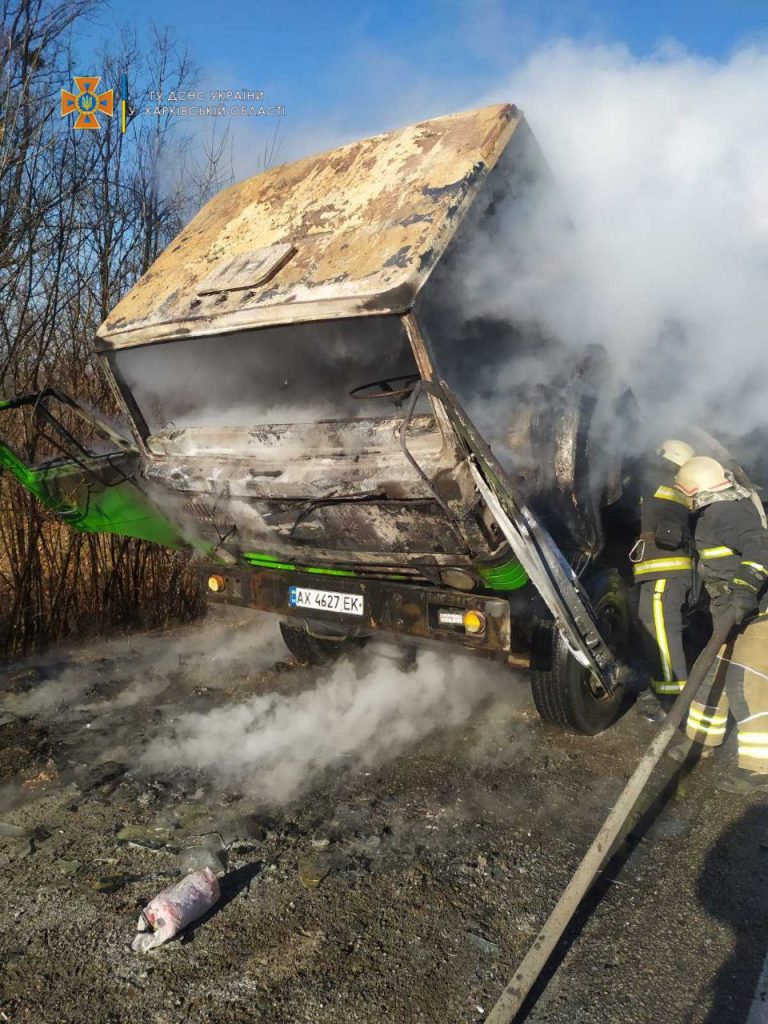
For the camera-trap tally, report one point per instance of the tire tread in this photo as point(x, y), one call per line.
point(556, 676)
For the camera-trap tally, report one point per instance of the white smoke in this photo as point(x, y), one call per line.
point(361, 712)
point(661, 163)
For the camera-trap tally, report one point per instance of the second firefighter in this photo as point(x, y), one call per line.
point(663, 571)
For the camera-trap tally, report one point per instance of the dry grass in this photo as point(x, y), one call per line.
point(56, 584)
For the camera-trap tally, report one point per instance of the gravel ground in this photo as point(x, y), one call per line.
point(403, 889)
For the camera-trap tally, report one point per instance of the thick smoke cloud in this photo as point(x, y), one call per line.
point(661, 163)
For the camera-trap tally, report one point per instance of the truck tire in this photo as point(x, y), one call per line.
point(311, 650)
point(563, 691)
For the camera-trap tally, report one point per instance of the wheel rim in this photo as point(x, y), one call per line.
point(613, 628)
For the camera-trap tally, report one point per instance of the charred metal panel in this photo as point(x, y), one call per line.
point(357, 530)
point(327, 491)
point(308, 462)
point(368, 222)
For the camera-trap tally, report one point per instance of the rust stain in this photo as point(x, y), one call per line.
point(368, 219)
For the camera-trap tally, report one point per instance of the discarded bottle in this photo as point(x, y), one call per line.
point(176, 907)
point(206, 851)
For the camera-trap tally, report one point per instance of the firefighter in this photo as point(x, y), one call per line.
point(731, 541)
point(663, 572)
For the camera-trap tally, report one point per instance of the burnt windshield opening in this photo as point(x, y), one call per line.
point(291, 374)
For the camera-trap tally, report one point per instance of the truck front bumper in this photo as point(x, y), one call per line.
point(364, 606)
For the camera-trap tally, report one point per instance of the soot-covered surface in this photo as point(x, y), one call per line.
point(438, 854)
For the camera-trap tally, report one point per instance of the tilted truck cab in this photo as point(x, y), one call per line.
point(320, 410)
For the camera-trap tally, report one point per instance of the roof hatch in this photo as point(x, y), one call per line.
point(247, 269)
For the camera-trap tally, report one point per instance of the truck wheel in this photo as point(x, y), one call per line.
point(563, 691)
point(311, 650)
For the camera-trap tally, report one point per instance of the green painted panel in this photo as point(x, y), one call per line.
point(123, 509)
point(270, 562)
point(86, 505)
point(265, 562)
point(510, 576)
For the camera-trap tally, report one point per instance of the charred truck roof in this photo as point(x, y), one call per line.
point(351, 232)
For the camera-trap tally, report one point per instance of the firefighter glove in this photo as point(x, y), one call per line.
point(745, 587)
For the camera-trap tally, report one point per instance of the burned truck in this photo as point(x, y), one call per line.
point(320, 411)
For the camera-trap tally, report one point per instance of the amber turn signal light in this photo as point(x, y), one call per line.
point(474, 622)
point(216, 584)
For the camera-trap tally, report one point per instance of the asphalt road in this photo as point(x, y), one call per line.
point(394, 872)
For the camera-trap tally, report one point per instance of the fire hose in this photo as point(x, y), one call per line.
point(517, 990)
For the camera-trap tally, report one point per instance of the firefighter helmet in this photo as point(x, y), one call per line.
point(675, 451)
point(702, 474)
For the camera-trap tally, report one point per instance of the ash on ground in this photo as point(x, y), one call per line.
point(400, 881)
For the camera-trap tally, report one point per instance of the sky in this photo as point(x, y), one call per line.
point(350, 68)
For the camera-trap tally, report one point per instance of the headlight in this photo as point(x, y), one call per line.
point(459, 579)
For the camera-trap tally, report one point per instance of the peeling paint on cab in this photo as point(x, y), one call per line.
point(369, 221)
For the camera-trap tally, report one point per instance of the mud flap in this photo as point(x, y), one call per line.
point(530, 542)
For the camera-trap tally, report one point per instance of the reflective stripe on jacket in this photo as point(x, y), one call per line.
point(663, 514)
point(652, 567)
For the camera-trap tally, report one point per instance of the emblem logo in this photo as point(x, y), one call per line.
point(87, 103)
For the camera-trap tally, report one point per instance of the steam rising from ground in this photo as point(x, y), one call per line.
point(133, 670)
point(362, 712)
point(207, 698)
point(662, 165)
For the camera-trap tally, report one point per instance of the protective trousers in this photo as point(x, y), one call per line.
point(661, 618)
point(739, 683)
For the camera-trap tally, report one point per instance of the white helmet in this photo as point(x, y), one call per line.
point(675, 451)
point(702, 474)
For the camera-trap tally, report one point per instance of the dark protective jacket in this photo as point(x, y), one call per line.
point(729, 535)
point(664, 546)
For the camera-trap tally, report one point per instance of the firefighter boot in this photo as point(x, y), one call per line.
point(686, 749)
point(652, 707)
point(741, 781)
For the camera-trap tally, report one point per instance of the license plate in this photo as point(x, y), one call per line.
point(325, 600)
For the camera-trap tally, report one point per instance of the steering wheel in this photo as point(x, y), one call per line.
point(385, 387)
